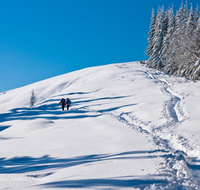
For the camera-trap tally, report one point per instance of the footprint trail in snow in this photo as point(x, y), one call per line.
point(179, 167)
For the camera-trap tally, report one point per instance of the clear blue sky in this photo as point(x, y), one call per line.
point(40, 39)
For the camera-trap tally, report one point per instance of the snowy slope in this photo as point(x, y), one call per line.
point(129, 127)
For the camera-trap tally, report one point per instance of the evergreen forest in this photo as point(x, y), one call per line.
point(174, 41)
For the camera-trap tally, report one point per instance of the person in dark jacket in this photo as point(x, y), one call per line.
point(68, 103)
point(63, 103)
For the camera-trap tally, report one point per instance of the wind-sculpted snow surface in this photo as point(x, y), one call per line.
point(129, 127)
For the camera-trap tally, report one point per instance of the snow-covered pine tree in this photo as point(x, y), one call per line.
point(176, 42)
point(188, 50)
point(190, 25)
point(169, 33)
point(185, 13)
point(179, 17)
point(183, 52)
point(165, 23)
point(151, 33)
point(196, 14)
point(32, 99)
point(194, 47)
point(175, 53)
point(160, 29)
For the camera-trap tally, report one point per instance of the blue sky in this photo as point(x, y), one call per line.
point(40, 39)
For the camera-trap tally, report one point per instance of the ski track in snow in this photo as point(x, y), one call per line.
point(179, 166)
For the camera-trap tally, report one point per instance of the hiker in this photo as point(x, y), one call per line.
point(68, 103)
point(62, 102)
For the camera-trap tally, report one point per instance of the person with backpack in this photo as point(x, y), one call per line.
point(63, 103)
point(68, 103)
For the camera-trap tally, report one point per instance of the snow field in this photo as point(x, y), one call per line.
point(127, 128)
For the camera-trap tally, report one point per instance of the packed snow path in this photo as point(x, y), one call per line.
point(129, 127)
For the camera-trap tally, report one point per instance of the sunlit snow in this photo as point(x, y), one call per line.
point(129, 127)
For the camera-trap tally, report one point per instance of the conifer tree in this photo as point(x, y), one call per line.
point(196, 14)
point(160, 28)
point(179, 18)
point(185, 13)
point(196, 74)
point(170, 31)
point(174, 42)
point(151, 35)
point(190, 23)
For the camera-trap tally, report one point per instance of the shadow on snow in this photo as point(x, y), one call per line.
point(50, 109)
point(30, 164)
point(19, 165)
point(86, 183)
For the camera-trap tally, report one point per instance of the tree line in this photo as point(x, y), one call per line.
point(174, 41)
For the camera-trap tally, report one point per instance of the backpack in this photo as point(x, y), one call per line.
point(68, 101)
point(63, 101)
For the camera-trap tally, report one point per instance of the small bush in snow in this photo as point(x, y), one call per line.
point(32, 99)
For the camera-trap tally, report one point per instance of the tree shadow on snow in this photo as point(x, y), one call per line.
point(2, 128)
point(31, 164)
point(87, 183)
point(50, 109)
point(19, 165)
point(46, 111)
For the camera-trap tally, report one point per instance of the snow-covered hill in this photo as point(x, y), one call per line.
point(129, 127)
